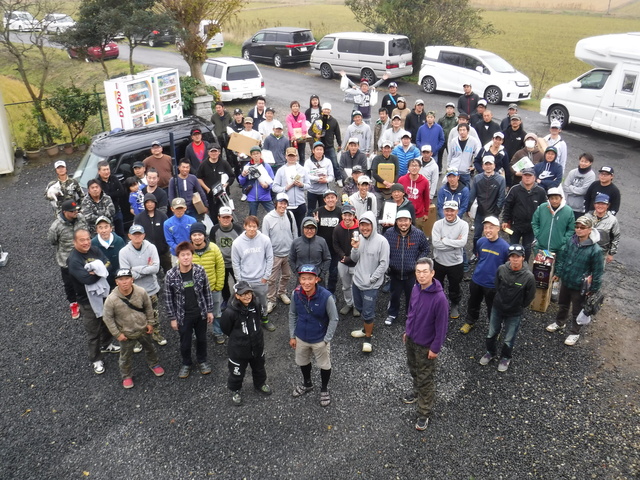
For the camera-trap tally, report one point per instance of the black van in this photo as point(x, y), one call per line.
point(280, 46)
point(123, 148)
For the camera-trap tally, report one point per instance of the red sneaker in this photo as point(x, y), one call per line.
point(75, 310)
point(127, 382)
point(158, 371)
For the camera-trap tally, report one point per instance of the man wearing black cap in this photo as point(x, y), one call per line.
point(415, 119)
point(221, 120)
point(468, 101)
point(310, 249)
point(138, 172)
point(506, 121)
point(197, 150)
point(342, 246)
point(604, 185)
point(161, 162)
point(448, 122)
point(514, 135)
point(212, 172)
point(390, 100)
point(349, 157)
point(152, 220)
point(236, 126)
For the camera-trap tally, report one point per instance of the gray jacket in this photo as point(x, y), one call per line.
point(144, 264)
point(313, 251)
point(60, 235)
point(371, 257)
point(252, 258)
point(447, 248)
point(281, 230)
point(575, 187)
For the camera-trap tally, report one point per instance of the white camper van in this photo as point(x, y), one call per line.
point(606, 98)
point(216, 42)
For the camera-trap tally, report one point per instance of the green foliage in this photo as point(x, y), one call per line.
point(425, 22)
point(75, 107)
point(49, 133)
point(83, 140)
point(188, 89)
point(32, 141)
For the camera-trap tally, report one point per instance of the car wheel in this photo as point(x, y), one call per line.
point(20, 28)
point(368, 75)
point(429, 84)
point(57, 30)
point(558, 112)
point(493, 95)
point(151, 42)
point(326, 71)
point(245, 54)
point(277, 60)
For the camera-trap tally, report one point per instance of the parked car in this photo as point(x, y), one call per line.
point(56, 23)
point(122, 149)
point(234, 78)
point(93, 54)
point(492, 77)
point(158, 37)
point(365, 55)
point(215, 43)
point(280, 46)
point(20, 21)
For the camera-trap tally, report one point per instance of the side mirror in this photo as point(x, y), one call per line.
point(575, 84)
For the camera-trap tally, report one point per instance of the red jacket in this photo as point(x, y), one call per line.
point(417, 192)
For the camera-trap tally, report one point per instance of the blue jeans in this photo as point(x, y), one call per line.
point(498, 322)
point(465, 178)
point(365, 302)
point(399, 286)
point(266, 204)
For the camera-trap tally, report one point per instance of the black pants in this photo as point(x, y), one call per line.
point(455, 274)
point(226, 291)
point(476, 294)
point(314, 200)
point(190, 325)
point(237, 369)
point(398, 287)
point(67, 281)
point(523, 237)
point(568, 297)
point(98, 334)
point(299, 213)
point(332, 281)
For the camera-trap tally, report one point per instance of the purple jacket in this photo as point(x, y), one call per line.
point(428, 316)
point(257, 193)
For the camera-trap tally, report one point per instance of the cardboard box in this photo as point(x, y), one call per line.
point(433, 216)
point(542, 299)
point(198, 204)
point(241, 143)
point(543, 271)
point(388, 172)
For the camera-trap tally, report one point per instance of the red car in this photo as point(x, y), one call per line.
point(93, 54)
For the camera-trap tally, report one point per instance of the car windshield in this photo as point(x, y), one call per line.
point(303, 37)
point(399, 46)
point(242, 72)
point(88, 168)
point(497, 64)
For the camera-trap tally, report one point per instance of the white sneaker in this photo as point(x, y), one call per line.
point(271, 306)
point(554, 327)
point(389, 320)
point(358, 333)
point(366, 346)
point(285, 299)
point(243, 198)
point(340, 183)
point(571, 339)
point(98, 367)
point(137, 348)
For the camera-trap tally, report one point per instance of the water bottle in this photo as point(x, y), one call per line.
point(555, 291)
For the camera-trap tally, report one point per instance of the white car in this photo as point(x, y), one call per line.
point(56, 23)
point(235, 78)
point(20, 21)
point(491, 77)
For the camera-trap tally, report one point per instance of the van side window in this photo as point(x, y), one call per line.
point(472, 63)
point(346, 45)
point(326, 43)
point(242, 72)
point(283, 37)
point(629, 82)
point(399, 46)
point(371, 48)
point(595, 80)
point(303, 37)
point(450, 58)
point(270, 37)
point(259, 37)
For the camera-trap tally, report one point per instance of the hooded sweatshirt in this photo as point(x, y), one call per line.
point(342, 236)
point(448, 240)
point(514, 290)
point(428, 317)
point(281, 230)
point(371, 257)
point(252, 258)
point(310, 251)
point(549, 173)
point(242, 324)
point(144, 264)
point(460, 195)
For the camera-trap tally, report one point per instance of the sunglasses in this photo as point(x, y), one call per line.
point(516, 248)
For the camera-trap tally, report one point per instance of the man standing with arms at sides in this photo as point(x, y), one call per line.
point(162, 198)
point(370, 251)
point(221, 120)
point(177, 229)
point(468, 101)
point(521, 203)
point(425, 333)
point(462, 151)
point(152, 220)
point(342, 236)
point(313, 319)
point(141, 257)
point(196, 151)
point(415, 119)
point(162, 164)
point(577, 182)
point(223, 234)
point(111, 186)
point(189, 305)
point(129, 317)
point(404, 152)
point(210, 173)
point(330, 135)
point(605, 185)
point(209, 257)
point(492, 251)
point(390, 100)
point(293, 181)
point(328, 218)
point(430, 133)
point(448, 238)
point(280, 226)
point(60, 235)
point(418, 193)
point(430, 171)
point(448, 122)
point(62, 188)
point(252, 260)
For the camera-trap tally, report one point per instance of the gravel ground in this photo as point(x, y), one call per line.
point(557, 413)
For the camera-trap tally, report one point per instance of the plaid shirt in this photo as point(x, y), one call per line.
point(174, 293)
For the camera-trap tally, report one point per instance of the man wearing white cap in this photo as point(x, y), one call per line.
point(363, 200)
point(360, 130)
point(491, 251)
point(489, 190)
point(430, 170)
point(350, 157)
point(555, 140)
point(62, 188)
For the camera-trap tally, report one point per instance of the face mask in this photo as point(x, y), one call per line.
point(530, 143)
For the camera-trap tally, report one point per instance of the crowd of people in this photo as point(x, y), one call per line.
point(389, 209)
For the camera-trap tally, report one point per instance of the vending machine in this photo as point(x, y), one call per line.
point(130, 101)
point(166, 92)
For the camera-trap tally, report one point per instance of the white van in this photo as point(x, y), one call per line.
point(605, 98)
point(366, 55)
point(491, 77)
point(214, 43)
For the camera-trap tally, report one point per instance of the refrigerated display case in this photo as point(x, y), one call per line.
point(130, 101)
point(166, 90)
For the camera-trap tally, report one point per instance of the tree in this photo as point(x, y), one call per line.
point(425, 22)
point(20, 47)
point(188, 14)
point(74, 107)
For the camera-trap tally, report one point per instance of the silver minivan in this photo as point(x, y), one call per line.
point(366, 55)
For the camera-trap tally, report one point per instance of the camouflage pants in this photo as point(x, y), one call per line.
point(126, 353)
point(423, 373)
point(156, 335)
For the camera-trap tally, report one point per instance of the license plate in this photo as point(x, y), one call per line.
point(107, 49)
point(303, 49)
point(402, 64)
point(246, 95)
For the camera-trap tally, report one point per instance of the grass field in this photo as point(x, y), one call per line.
point(556, 5)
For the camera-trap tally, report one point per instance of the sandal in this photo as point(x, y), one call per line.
point(301, 390)
point(325, 399)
